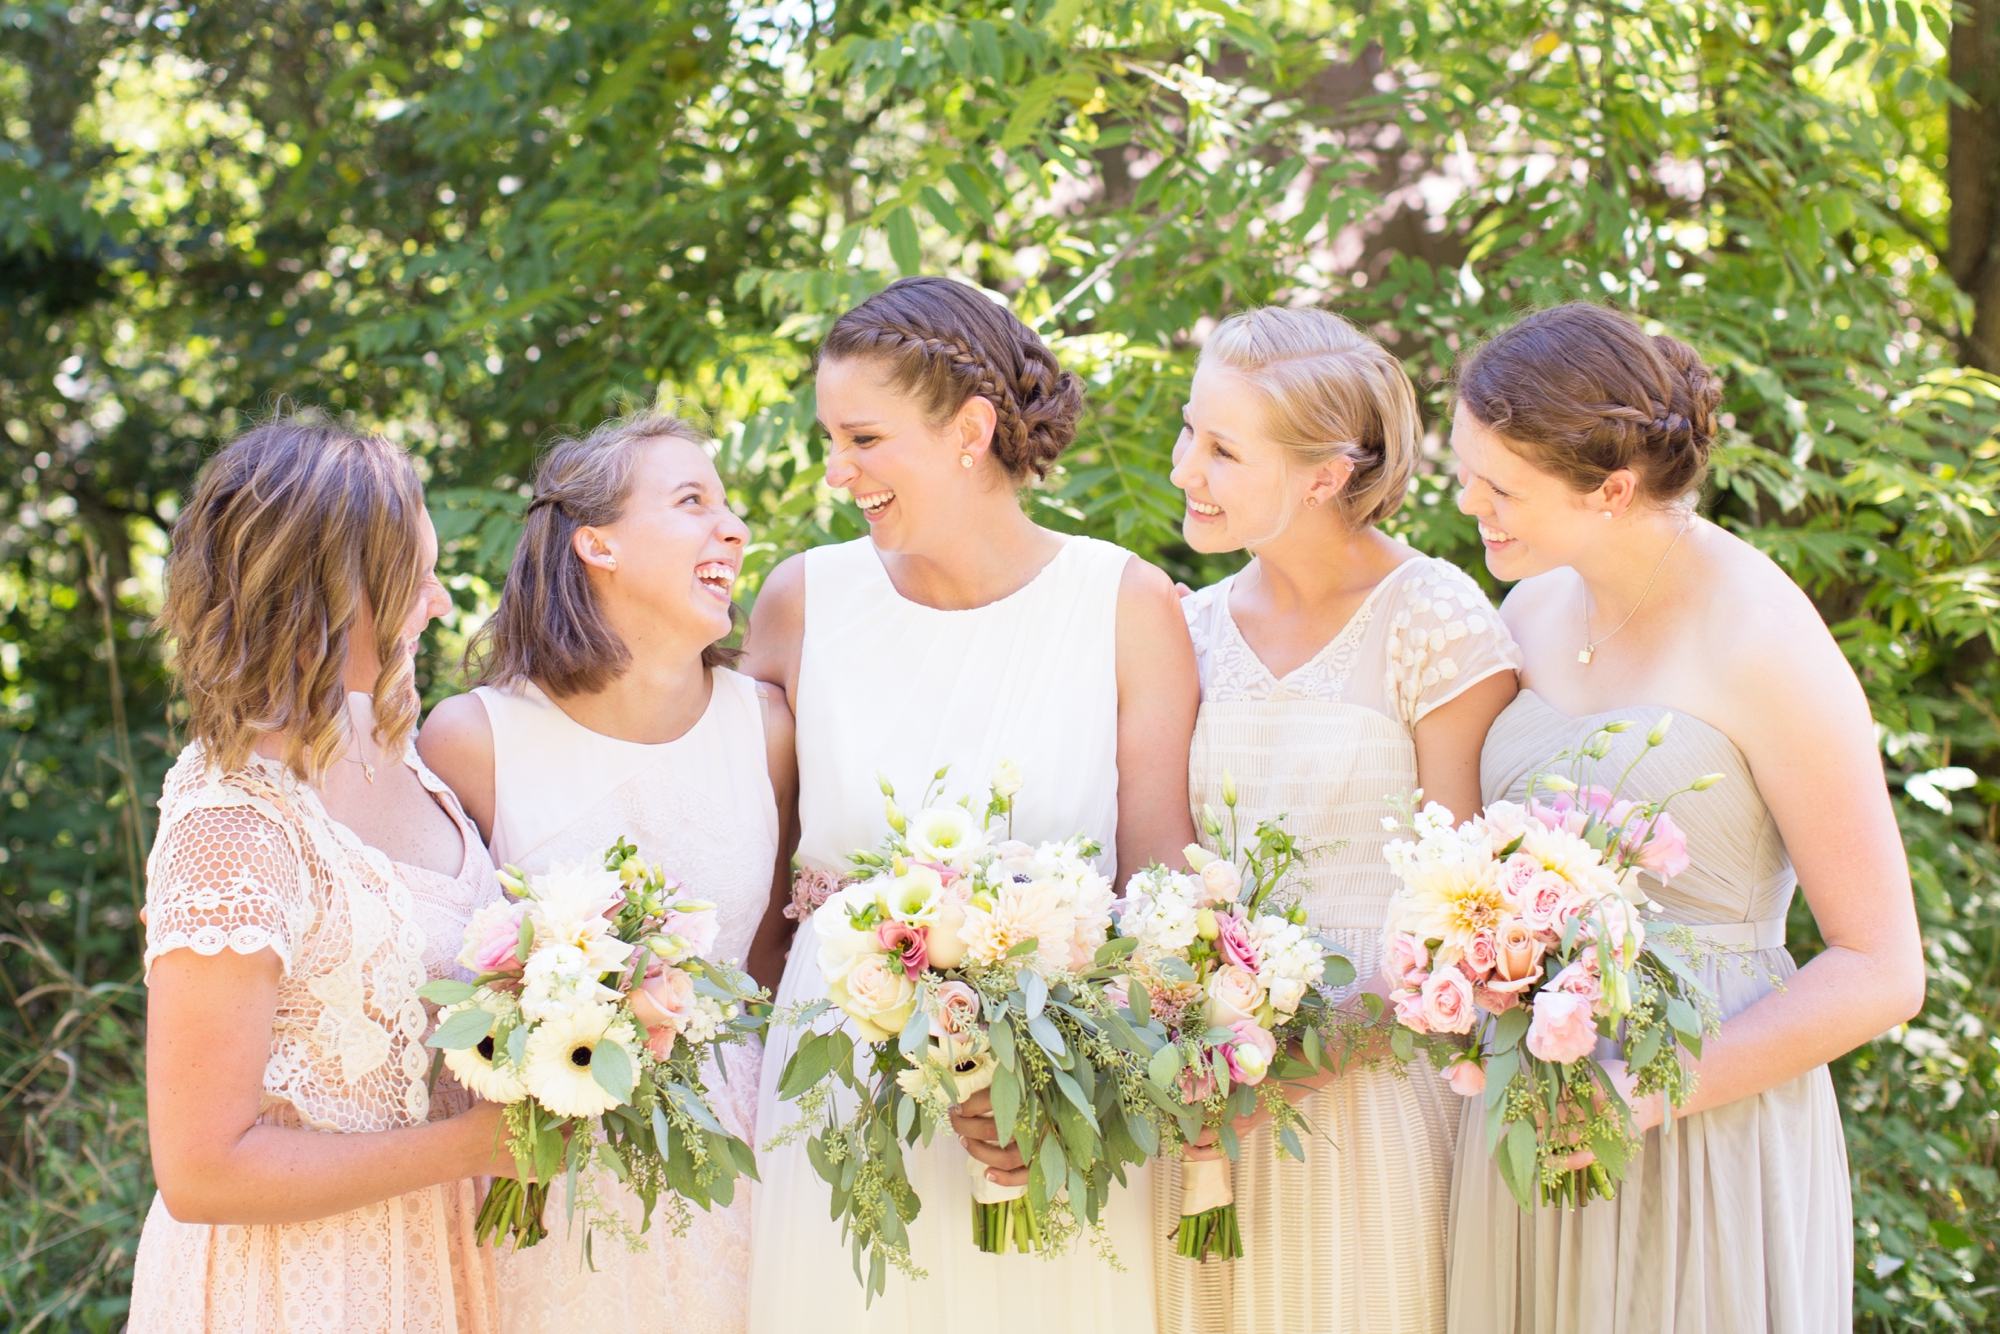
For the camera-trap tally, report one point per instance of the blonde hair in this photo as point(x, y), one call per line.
point(1330, 392)
point(548, 627)
point(294, 529)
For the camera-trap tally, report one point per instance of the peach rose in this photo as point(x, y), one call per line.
point(954, 1011)
point(1233, 994)
point(1410, 1010)
point(1467, 1076)
point(663, 1004)
point(1519, 953)
point(1220, 882)
point(1408, 962)
point(1543, 899)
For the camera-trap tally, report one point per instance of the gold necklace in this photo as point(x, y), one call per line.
point(1589, 649)
point(367, 769)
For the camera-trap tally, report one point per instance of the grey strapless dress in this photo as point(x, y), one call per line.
point(1740, 1220)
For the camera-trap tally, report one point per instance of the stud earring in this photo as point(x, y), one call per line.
point(1312, 502)
point(965, 460)
point(1607, 514)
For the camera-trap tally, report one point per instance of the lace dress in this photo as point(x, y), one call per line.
point(890, 685)
point(1353, 1238)
point(248, 861)
point(1740, 1219)
point(702, 806)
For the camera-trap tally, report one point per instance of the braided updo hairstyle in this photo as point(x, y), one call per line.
point(1581, 392)
point(943, 342)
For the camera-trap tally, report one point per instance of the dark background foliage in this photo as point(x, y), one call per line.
point(472, 225)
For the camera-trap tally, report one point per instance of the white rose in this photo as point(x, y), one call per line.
point(1233, 994)
point(877, 994)
point(1221, 882)
point(1286, 993)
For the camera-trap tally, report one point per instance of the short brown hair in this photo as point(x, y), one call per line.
point(944, 342)
point(1581, 392)
point(1330, 391)
point(548, 627)
point(294, 527)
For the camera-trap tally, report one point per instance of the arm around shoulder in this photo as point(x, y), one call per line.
point(457, 743)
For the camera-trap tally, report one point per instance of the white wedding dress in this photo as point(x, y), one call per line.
point(887, 685)
point(702, 807)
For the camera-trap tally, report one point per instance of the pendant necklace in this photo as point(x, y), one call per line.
point(367, 769)
point(1589, 649)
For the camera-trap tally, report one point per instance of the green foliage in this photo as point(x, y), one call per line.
point(472, 224)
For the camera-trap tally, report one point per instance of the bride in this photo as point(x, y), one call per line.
point(959, 633)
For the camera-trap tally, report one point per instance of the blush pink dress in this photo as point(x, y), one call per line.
point(249, 861)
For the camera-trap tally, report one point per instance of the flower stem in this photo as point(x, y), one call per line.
point(1213, 1234)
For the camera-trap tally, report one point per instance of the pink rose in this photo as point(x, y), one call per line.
point(1542, 900)
point(663, 1005)
point(1482, 954)
point(1498, 1001)
point(906, 943)
point(1665, 849)
point(1196, 1087)
point(1562, 1030)
point(1408, 962)
point(494, 934)
point(954, 1011)
point(1448, 1005)
point(1233, 993)
point(1515, 874)
point(1233, 940)
point(1410, 1010)
point(699, 929)
point(1581, 980)
point(1518, 951)
point(1249, 1057)
point(1467, 1076)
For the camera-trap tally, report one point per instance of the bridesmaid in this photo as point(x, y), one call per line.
point(1337, 667)
point(959, 633)
point(604, 710)
point(310, 874)
point(1581, 442)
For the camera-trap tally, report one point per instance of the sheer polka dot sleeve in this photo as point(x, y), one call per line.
point(1444, 638)
point(225, 878)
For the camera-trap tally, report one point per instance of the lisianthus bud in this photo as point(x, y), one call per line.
point(631, 869)
point(896, 820)
point(1557, 783)
point(1206, 924)
point(1197, 856)
point(1659, 732)
point(1228, 788)
point(1705, 782)
point(1620, 726)
point(512, 880)
point(1006, 780)
point(1211, 821)
point(882, 781)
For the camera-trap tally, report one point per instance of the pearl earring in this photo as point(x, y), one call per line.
point(965, 460)
point(1607, 514)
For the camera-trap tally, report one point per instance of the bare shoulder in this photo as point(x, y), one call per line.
point(777, 624)
point(457, 729)
point(782, 595)
point(1144, 587)
point(1763, 635)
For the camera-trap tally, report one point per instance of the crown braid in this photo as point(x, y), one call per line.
point(946, 343)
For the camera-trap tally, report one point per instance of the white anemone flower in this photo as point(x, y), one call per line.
point(560, 1055)
point(474, 1067)
point(947, 835)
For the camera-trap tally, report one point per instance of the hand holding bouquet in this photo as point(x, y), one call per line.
point(1523, 926)
point(1225, 977)
point(591, 1016)
point(966, 962)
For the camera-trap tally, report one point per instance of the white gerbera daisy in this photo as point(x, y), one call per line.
point(474, 1067)
point(561, 1052)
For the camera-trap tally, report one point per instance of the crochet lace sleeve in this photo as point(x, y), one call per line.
point(1445, 638)
point(225, 878)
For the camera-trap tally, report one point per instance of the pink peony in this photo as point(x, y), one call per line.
point(1482, 954)
point(1233, 940)
point(1249, 1057)
point(907, 943)
point(493, 936)
point(1448, 1006)
point(1562, 1030)
point(1467, 1077)
point(663, 1004)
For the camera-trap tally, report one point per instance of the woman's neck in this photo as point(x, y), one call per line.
point(1632, 564)
point(661, 694)
point(991, 554)
point(1326, 564)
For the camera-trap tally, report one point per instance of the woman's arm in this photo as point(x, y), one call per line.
point(1159, 692)
point(1800, 717)
point(777, 628)
point(1450, 737)
point(456, 741)
point(774, 933)
point(208, 1036)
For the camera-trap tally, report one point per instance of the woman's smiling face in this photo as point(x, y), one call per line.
point(1530, 521)
point(1240, 486)
point(883, 450)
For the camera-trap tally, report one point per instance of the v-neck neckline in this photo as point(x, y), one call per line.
point(1356, 622)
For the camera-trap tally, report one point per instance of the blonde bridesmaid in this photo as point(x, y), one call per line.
point(1581, 441)
point(310, 874)
point(1338, 668)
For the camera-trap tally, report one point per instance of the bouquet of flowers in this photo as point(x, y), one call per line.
point(1522, 926)
point(590, 1018)
point(966, 960)
point(1224, 974)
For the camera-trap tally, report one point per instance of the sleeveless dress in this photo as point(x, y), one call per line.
point(888, 685)
point(1352, 1238)
point(1740, 1219)
point(702, 807)
point(250, 860)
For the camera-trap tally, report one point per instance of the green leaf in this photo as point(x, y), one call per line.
point(1289, 1137)
point(809, 1065)
point(1517, 1163)
point(1048, 1037)
point(1001, 1034)
point(1071, 1090)
point(1510, 1028)
point(1175, 970)
point(447, 991)
point(462, 1030)
point(941, 209)
point(902, 230)
point(1113, 950)
point(1036, 993)
point(1338, 970)
point(1166, 1063)
point(916, 1036)
point(611, 1067)
point(1006, 1094)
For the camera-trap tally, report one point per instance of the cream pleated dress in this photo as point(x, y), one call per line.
point(1352, 1240)
point(251, 860)
point(702, 807)
point(888, 685)
point(1738, 1220)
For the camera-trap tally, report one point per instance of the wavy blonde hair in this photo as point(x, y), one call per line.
point(296, 531)
point(1330, 392)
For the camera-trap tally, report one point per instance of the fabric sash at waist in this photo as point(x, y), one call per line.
point(1765, 935)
